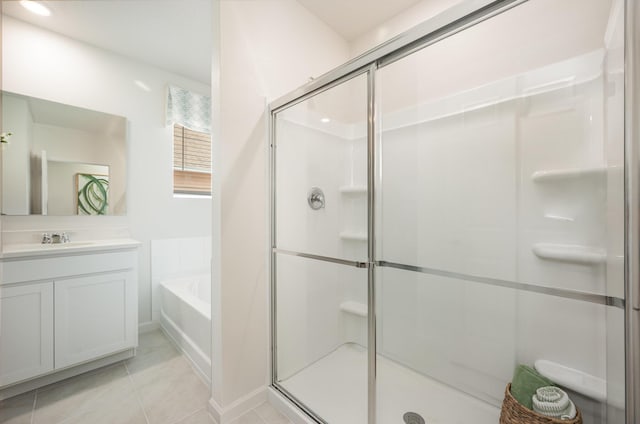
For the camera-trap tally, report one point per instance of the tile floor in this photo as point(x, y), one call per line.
point(158, 386)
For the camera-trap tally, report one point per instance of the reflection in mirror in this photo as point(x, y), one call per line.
point(61, 159)
point(77, 188)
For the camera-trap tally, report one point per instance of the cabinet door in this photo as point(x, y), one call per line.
point(95, 316)
point(26, 331)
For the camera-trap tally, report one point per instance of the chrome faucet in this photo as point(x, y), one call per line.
point(55, 238)
point(60, 237)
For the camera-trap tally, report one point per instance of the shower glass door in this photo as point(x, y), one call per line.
point(319, 275)
point(467, 222)
point(499, 215)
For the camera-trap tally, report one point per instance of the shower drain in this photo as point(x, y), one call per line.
point(413, 418)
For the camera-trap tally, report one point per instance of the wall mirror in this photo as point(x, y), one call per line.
point(61, 159)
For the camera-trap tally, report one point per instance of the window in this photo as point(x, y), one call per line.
point(190, 115)
point(191, 161)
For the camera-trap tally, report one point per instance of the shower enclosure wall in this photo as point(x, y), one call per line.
point(451, 205)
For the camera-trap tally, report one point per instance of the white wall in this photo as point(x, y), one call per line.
point(399, 23)
point(268, 48)
point(64, 70)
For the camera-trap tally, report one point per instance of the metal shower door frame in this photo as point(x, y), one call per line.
point(457, 19)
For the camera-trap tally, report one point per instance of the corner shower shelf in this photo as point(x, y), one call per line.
point(581, 382)
point(350, 235)
point(355, 308)
point(353, 189)
point(562, 174)
point(569, 253)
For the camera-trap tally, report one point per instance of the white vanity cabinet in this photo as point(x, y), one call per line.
point(93, 316)
point(26, 331)
point(64, 309)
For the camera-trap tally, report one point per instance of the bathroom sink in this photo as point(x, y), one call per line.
point(69, 244)
point(37, 249)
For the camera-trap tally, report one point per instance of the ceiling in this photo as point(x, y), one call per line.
point(352, 18)
point(174, 35)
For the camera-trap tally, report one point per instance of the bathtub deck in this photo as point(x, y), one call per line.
point(335, 387)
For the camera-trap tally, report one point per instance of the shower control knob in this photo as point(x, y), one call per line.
point(315, 198)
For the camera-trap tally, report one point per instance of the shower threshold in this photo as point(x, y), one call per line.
point(335, 388)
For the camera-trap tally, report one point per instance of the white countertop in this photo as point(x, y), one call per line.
point(20, 250)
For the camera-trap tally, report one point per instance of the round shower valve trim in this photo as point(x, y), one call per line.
point(315, 198)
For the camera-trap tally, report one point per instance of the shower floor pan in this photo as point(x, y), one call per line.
point(335, 388)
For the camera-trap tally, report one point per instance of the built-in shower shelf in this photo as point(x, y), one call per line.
point(563, 174)
point(350, 235)
point(572, 253)
point(576, 380)
point(353, 189)
point(355, 308)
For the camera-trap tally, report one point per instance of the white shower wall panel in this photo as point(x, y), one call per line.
point(458, 194)
point(614, 151)
point(474, 206)
point(580, 335)
point(354, 204)
point(472, 336)
point(457, 332)
point(448, 193)
point(305, 158)
point(615, 359)
point(563, 331)
point(559, 131)
point(320, 143)
point(310, 322)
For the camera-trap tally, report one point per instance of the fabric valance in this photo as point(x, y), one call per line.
point(189, 109)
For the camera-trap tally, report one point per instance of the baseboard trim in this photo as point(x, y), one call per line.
point(148, 326)
point(237, 408)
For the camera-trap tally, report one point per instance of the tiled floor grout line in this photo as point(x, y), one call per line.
point(255, 411)
point(135, 390)
point(181, 419)
point(33, 410)
point(188, 416)
point(177, 347)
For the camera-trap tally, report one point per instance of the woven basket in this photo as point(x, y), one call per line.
point(514, 413)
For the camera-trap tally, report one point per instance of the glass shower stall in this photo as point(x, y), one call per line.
point(455, 203)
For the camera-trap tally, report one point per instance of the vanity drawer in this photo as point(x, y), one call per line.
point(51, 267)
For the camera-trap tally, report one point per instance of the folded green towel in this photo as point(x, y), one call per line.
point(525, 382)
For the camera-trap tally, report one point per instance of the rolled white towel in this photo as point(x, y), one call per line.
point(553, 402)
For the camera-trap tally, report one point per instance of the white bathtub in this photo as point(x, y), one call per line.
point(186, 317)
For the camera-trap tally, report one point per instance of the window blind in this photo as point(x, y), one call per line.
point(191, 161)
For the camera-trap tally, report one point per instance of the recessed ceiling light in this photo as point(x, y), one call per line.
point(35, 7)
point(325, 120)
